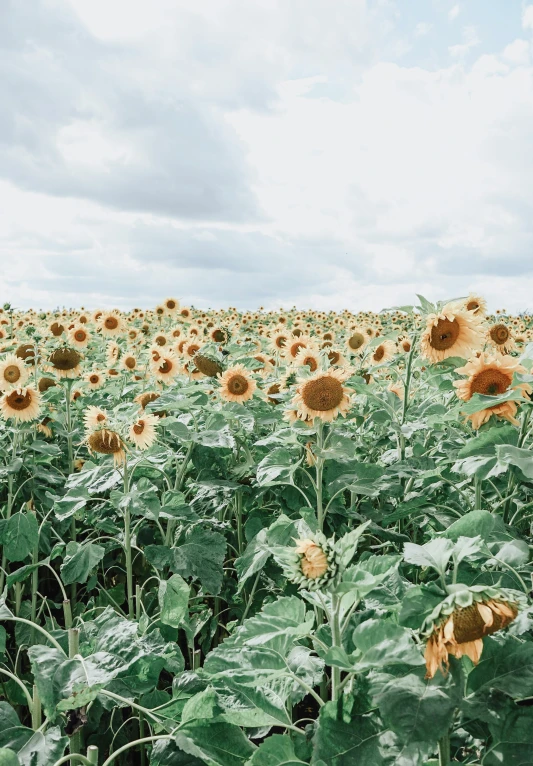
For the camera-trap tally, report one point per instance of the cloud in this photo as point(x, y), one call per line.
point(470, 40)
point(527, 17)
point(454, 12)
point(422, 29)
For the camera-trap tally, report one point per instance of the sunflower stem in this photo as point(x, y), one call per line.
point(319, 467)
point(336, 640)
point(9, 506)
point(444, 750)
point(478, 501)
point(127, 545)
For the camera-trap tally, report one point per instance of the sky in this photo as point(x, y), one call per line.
point(327, 154)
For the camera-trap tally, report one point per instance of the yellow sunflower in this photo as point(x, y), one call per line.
point(453, 332)
point(21, 404)
point(142, 433)
point(13, 372)
point(323, 396)
point(237, 384)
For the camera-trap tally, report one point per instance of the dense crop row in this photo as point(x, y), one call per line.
point(266, 539)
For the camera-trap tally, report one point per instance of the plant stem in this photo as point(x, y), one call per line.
point(127, 546)
point(478, 502)
point(444, 750)
point(36, 712)
point(132, 744)
point(319, 468)
point(73, 650)
point(336, 640)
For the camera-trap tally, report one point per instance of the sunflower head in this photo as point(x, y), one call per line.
point(207, 365)
point(312, 564)
point(107, 442)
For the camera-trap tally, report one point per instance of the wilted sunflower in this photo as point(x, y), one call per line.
point(453, 332)
point(13, 372)
point(21, 404)
point(107, 442)
point(65, 362)
point(45, 384)
point(26, 352)
point(491, 376)
point(143, 400)
point(94, 379)
point(79, 336)
point(265, 365)
point(56, 328)
point(458, 625)
point(501, 338)
point(45, 429)
point(142, 433)
point(323, 396)
point(237, 384)
point(207, 365)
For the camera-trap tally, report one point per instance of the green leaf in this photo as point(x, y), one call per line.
point(341, 742)
point(521, 458)
point(8, 757)
point(362, 479)
point(481, 402)
point(166, 753)
point(278, 467)
point(216, 744)
point(173, 601)
point(201, 555)
point(513, 741)
point(80, 560)
point(383, 643)
point(417, 604)
point(71, 503)
point(435, 554)
point(474, 523)
point(202, 705)
point(506, 666)
point(485, 443)
point(20, 536)
point(20, 574)
point(347, 545)
point(276, 750)
point(43, 749)
point(276, 626)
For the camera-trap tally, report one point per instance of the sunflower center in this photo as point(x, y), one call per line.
point(171, 305)
point(468, 625)
point(379, 353)
point(323, 394)
point(218, 336)
point(161, 340)
point(94, 379)
point(138, 428)
point(472, 306)
point(56, 329)
point(106, 442)
point(296, 347)
point(111, 323)
point(19, 401)
point(490, 382)
point(356, 341)
point(334, 357)
point(130, 362)
point(444, 334)
point(311, 362)
point(12, 373)
point(280, 341)
point(238, 384)
point(499, 334)
point(80, 335)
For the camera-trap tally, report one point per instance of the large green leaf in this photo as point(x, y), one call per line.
point(513, 741)
point(276, 750)
point(278, 467)
point(341, 742)
point(173, 601)
point(20, 534)
point(80, 560)
point(201, 555)
point(43, 749)
point(435, 554)
point(276, 626)
point(383, 643)
point(215, 744)
point(505, 665)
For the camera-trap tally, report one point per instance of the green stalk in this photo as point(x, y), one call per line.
point(478, 502)
point(127, 546)
point(238, 514)
point(444, 750)
point(36, 711)
point(73, 650)
point(336, 640)
point(512, 471)
point(9, 506)
point(319, 469)
point(34, 587)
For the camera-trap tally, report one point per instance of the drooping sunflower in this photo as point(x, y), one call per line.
point(207, 365)
point(383, 353)
point(143, 432)
point(501, 338)
point(56, 328)
point(237, 384)
point(13, 372)
point(45, 384)
point(322, 395)
point(65, 362)
point(143, 400)
point(21, 404)
point(453, 332)
point(458, 625)
point(491, 376)
point(107, 442)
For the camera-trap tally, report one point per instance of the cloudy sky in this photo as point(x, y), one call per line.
point(323, 153)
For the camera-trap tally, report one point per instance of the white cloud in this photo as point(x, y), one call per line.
point(470, 40)
point(517, 52)
point(422, 29)
point(527, 17)
point(454, 12)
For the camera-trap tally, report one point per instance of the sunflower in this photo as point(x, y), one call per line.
point(491, 376)
point(165, 366)
point(219, 335)
point(128, 362)
point(397, 388)
point(26, 352)
point(94, 379)
point(279, 340)
point(312, 564)
point(79, 336)
point(356, 340)
point(322, 395)
point(453, 332)
point(65, 362)
point(501, 338)
point(383, 353)
point(335, 358)
point(296, 343)
point(112, 353)
point(308, 358)
point(56, 328)
point(171, 305)
point(404, 343)
point(142, 433)
point(111, 323)
point(45, 384)
point(476, 305)
point(266, 366)
point(144, 399)
point(208, 366)
point(45, 429)
point(107, 442)
point(236, 384)
point(13, 372)
point(458, 625)
point(21, 404)
point(94, 417)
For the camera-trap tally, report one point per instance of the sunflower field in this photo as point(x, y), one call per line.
point(266, 538)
